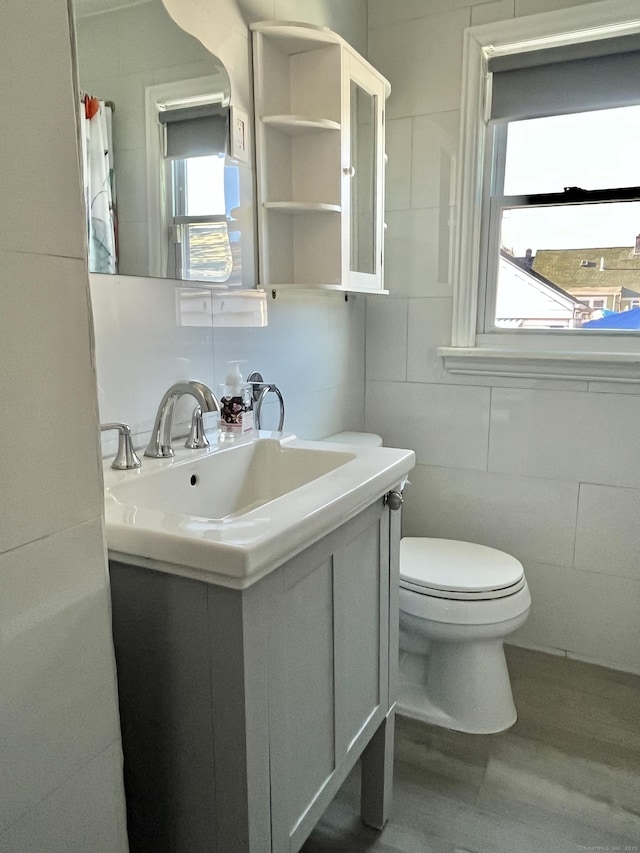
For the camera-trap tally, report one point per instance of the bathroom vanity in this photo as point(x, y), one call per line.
point(250, 686)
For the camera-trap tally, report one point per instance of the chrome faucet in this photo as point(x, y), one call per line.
point(126, 457)
point(260, 391)
point(160, 444)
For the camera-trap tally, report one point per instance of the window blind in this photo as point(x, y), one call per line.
point(573, 78)
point(195, 131)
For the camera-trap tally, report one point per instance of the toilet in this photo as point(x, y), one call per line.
point(458, 602)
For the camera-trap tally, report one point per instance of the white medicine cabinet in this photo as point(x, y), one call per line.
point(319, 109)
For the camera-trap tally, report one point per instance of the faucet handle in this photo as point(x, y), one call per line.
point(197, 438)
point(126, 457)
point(260, 391)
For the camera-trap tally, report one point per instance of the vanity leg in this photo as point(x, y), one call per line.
point(376, 790)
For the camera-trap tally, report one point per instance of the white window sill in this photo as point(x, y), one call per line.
point(547, 364)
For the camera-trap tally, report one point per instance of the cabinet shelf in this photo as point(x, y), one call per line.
point(296, 125)
point(319, 145)
point(294, 207)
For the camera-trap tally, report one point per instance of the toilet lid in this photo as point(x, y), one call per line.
point(450, 569)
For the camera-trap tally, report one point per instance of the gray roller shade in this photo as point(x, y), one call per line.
point(574, 78)
point(196, 131)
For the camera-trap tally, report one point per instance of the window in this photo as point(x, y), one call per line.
point(564, 189)
point(530, 112)
point(193, 184)
point(195, 146)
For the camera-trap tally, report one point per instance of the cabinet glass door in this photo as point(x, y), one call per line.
point(363, 180)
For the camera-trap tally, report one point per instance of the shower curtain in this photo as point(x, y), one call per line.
point(99, 184)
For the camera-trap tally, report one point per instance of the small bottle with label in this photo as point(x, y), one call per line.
point(236, 404)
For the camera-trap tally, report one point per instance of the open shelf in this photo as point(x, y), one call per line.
point(296, 125)
point(293, 37)
point(319, 106)
point(294, 207)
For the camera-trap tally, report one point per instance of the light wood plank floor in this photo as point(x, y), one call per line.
point(565, 778)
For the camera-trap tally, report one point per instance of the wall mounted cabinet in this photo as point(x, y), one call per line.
point(320, 160)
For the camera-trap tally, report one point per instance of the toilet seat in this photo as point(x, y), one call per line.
point(454, 570)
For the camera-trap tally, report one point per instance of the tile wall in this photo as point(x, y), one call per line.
point(546, 470)
point(60, 756)
point(312, 349)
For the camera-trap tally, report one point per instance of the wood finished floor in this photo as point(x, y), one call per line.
point(565, 778)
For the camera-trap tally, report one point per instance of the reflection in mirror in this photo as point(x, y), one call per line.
point(162, 192)
point(363, 181)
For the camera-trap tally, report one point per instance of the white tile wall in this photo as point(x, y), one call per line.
point(417, 245)
point(435, 149)
point(529, 517)
point(446, 425)
point(548, 441)
point(46, 421)
point(141, 349)
point(608, 532)
point(429, 327)
point(569, 435)
point(59, 705)
point(387, 317)
point(486, 13)
point(422, 60)
point(594, 617)
point(398, 141)
point(313, 349)
point(532, 7)
point(33, 187)
point(549, 625)
point(56, 665)
point(85, 813)
point(382, 12)
point(343, 18)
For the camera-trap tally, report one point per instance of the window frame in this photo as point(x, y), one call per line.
point(529, 353)
point(159, 212)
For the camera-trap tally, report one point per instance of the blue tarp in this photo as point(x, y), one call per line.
point(623, 320)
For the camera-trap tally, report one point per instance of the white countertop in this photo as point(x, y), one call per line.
point(238, 549)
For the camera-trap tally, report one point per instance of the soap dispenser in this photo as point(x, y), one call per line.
point(236, 403)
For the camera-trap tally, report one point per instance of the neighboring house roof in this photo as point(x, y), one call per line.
point(524, 295)
point(527, 266)
point(614, 270)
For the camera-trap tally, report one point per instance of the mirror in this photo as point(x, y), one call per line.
point(174, 204)
point(363, 181)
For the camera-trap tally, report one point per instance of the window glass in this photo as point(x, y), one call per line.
point(594, 150)
point(206, 252)
point(202, 249)
point(203, 186)
point(572, 226)
point(564, 262)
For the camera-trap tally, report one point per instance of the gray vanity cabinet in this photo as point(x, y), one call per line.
point(243, 711)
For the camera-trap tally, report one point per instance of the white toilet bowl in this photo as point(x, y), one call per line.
point(458, 601)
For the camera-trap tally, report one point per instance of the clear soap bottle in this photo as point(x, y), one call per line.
point(236, 404)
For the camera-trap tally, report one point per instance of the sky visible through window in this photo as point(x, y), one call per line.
point(593, 150)
point(205, 186)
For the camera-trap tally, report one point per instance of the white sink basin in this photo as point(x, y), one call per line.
point(231, 482)
point(232, 513)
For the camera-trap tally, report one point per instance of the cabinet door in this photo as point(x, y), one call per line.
point(363, 176)
point(328, 679)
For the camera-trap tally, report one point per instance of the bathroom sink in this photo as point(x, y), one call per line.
point(233, 481)
point(233, 512)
